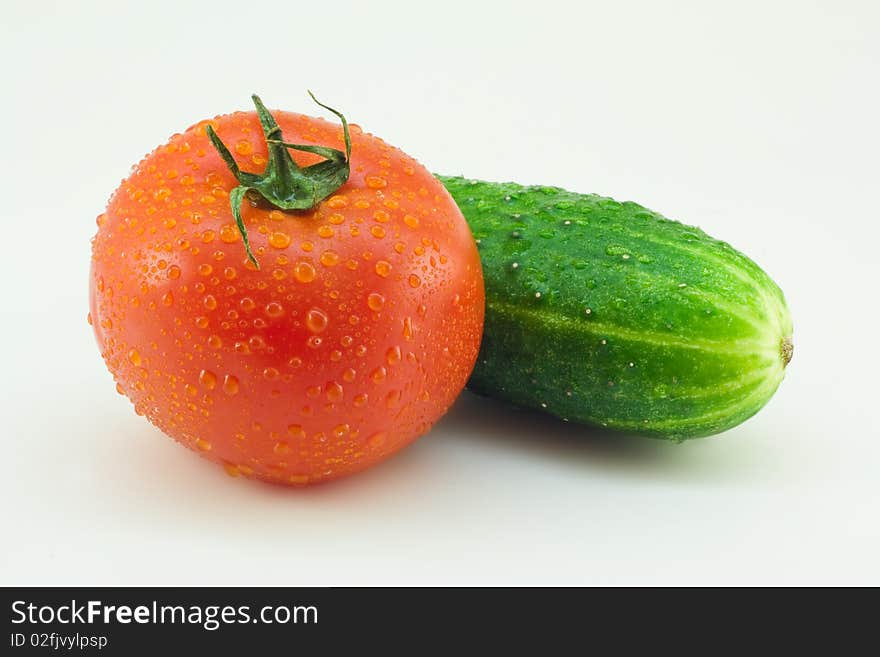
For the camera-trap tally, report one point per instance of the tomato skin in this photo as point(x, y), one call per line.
point(356, 334)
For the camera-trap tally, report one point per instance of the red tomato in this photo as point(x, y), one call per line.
point(357, 332)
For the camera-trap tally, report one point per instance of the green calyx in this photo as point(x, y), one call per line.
point(284, 184)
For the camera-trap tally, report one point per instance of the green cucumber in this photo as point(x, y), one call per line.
point(609, 314)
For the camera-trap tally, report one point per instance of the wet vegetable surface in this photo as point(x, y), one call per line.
point(354, 335)
point(609, 314)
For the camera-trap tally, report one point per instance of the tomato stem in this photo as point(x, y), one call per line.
point(283, 184)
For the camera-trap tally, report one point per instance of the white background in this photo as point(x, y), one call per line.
point(757, 121)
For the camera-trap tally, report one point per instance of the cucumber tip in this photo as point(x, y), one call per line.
point(786, 348)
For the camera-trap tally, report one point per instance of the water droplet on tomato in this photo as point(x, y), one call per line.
point(316, 320)
point(392, 399)
point(228, 234)
point(304, 272)
point(375, 301)
point(334, 391)
point(329, 258)
point(230, 384)
point(393, 355)
point(207, 379)
point(383, 268)
point(279, 240)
